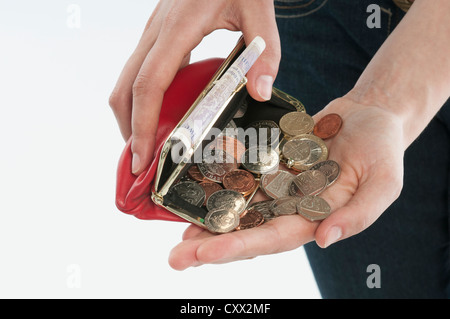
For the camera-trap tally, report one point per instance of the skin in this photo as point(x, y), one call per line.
point(398, 94)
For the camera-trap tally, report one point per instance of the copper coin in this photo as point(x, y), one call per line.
point(264, 208)
point(195, 174)
point(240, 181)
point(249, 219)
point(216, 164)
point(328, 126)
point(210, 188)
point(249, 193)
point(230, 145)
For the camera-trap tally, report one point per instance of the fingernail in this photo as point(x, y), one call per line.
point(264, 86)
point(333, 236)
point(135, 163)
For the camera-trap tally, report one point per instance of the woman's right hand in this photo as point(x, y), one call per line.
point(174, 29)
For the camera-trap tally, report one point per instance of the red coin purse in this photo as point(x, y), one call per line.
point(133, 193)
point(148, 195)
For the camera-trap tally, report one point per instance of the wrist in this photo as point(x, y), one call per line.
point(403, 115)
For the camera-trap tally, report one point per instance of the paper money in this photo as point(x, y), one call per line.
point(194, 127)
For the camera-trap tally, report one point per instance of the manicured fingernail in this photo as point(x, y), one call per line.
point(136, 163)
point(264, 86)
point(333, 235)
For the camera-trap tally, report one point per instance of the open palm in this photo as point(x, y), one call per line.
point(369, 148)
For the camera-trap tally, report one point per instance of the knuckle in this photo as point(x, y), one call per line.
point(141, 85)
point(116, 99)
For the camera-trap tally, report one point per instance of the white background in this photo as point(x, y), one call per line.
point(61, 235)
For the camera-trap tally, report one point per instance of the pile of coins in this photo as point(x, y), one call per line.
point(291, 173)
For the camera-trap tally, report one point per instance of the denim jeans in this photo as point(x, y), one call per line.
point(326, 45)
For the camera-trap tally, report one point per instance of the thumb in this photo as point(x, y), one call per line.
point(370, 200)
point(260, 21)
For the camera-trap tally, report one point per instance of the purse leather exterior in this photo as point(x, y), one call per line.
point(133, 193)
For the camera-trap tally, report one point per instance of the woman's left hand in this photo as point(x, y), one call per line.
point(369, 149)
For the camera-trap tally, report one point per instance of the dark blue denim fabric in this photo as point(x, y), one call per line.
point(326, 45)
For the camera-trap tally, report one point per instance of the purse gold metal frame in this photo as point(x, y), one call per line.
point(162, 186)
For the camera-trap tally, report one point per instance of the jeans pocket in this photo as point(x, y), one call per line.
point(297, 8)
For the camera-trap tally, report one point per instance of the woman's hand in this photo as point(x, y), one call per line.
point(175, 28)
point(369, 148)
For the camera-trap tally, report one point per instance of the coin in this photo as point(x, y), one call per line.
point(308, 183)
point(190, 191)
point(264, 208)
point(296, 152)
point(230, 145)
point(296, 123)
point(229, 130)
point(284, 206)
point(194, 173)
point(226, 198)
point(239, 180)
point(313, 208)
point(328, 126)
point(319, 151)
point(276, 185)
point(209, 188)
point(250, 218)
point(221, 220)
point(216, 164)
point(330, 168)
point(260, 160)
point(267, 134)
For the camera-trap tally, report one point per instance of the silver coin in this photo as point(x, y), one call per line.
point(190, 191)
point(297, 151)
point(330, 168)
point(313, 208)
point(228, 199)
point(216, 164)
point(284, 206)
point(221, 220)
point(260, 160)
point(267, 134)
point(308, 183)
point(276, 184)
point(315, 152)
point(264, 208)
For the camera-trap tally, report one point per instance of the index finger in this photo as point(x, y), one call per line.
point(157, 72)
